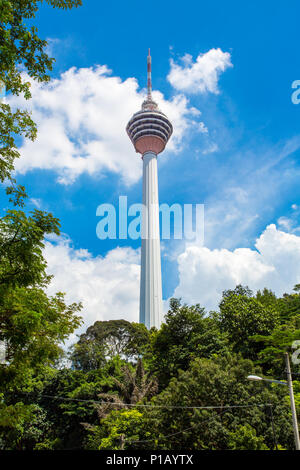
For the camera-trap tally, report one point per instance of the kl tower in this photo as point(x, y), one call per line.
point(149, 131)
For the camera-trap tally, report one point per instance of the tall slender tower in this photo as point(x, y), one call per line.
point(149, 131)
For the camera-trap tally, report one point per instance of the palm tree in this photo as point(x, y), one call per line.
point(135, 386)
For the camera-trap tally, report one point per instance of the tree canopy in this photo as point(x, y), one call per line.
point(23, 57)
point(191, 374)
point(33, 325)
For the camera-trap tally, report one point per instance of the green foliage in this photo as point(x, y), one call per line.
point(296, 387)
point(245, 438)
point(60, 394)
point(243, 316)
point(114, 428)
point(23, 58)
point(33, 325)
point(267, 298)
point(93, 408)
point(194, 360)
point(274, 345)
point(12, 124)
point(134, 386)
point(107, 339)
point(217, 382)
point(187, 333)
point(22, 426)
point(289, 307)
point(21, 243)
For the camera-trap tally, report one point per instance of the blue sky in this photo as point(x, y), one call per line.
point(245, 167)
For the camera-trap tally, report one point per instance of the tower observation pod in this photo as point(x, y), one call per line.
point(149, 130)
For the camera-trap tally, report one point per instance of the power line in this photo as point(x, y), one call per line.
point(210, 407)
point(152, 406)
point(178, 432)
point(207, 421)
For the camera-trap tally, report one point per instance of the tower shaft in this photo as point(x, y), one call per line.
point(150, 284)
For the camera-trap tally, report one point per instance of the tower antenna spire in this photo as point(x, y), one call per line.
point(149, 79)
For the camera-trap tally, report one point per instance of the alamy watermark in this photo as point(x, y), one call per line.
point(177, 221)
point(3, 351)
point(296, 354)
point(296, 94)
point(2, 91)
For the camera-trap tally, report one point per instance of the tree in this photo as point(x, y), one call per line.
point(132, 388)
point(21, 50)
point(273, 346)
point(186, 333)
point(118, 430)
point(289, 307)
point(29, 428)
point(219, 382)
point(245, 438)
point(32, 324)
point(243, 316)
point(106, 339)
point(56, 395)
point(21, 242)
point(267, 298)
point(60, 394)
point(99, 408)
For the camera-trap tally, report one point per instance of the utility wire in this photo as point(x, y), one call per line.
point(221, 407)
point(128, 441)
point(151, 406)
point(178, 432)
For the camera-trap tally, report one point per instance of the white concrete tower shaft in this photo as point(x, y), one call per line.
point(150, 284)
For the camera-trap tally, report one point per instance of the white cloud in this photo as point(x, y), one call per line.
point(290, 223)
point(202, 75)
point(205, 273)
point(213, 147)
point(285, 223)
point(81, 119)
point(243, 193)
point(107, 286)
point(36, 201)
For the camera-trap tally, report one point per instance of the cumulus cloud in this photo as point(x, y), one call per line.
point(107, 286)
point(202, 75)
point(285, 223)
point(81, 119)
point(290, 222)
point(205, 273)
